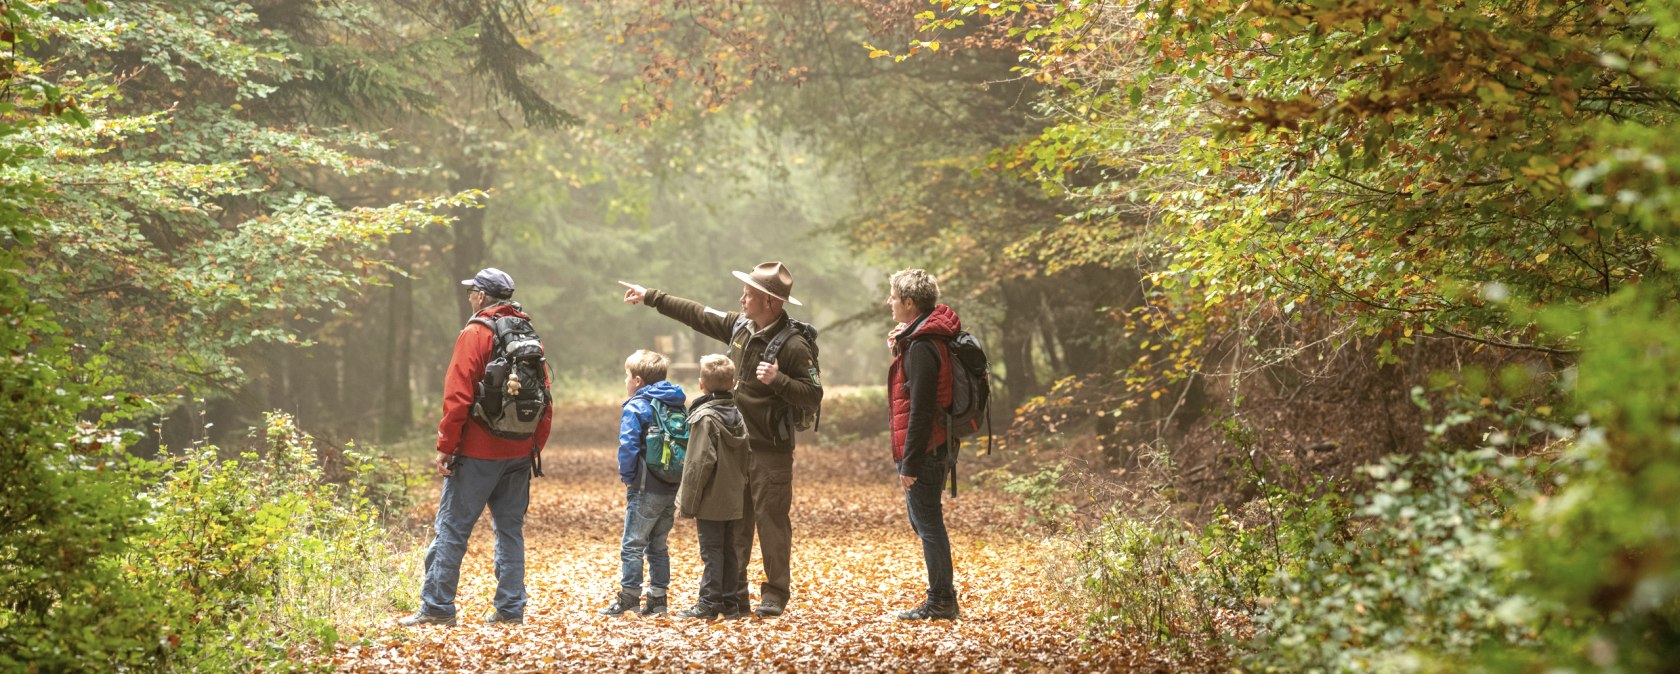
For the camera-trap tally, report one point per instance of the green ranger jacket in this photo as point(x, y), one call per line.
point(767, 408)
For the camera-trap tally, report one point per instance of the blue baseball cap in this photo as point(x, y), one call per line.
point(494, 282)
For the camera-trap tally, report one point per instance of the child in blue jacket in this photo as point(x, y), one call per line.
point(650, 501)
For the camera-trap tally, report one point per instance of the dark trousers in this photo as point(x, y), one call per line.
point(718, 579)
point(767, 500)
point(927, 517)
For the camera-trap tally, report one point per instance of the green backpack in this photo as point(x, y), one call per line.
point(666, 444)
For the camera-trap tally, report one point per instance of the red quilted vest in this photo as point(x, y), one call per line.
point(941, 323)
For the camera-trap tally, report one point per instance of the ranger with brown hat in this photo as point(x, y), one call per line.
point(771, 392)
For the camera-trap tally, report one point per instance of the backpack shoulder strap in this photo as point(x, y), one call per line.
point(494, 331)
point(660, 411)
point(776, 342)
point(793, 326)
point(941, 345)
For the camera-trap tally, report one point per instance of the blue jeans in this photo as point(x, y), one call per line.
point(927, 517)
point(505, 486)
point(647, 522)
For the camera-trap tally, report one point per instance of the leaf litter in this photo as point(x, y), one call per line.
point(856, 563)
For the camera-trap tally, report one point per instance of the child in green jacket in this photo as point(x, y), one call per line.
point(714, 477)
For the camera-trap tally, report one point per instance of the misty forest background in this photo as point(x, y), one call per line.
point(1331, 335)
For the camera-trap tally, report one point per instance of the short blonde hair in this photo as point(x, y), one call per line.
point(918, 286)
point(649, 365)
point(717, 373)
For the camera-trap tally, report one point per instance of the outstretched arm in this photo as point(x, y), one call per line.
point(705, 320)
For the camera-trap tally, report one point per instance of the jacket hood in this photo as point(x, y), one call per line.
point(663, 391)
point(726, 411)
point(941, 322)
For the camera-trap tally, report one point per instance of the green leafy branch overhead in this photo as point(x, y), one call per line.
point(180, 225)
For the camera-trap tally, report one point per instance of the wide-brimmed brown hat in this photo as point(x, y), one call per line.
point(773, 278)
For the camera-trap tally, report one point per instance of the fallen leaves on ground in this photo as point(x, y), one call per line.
point(856, 563)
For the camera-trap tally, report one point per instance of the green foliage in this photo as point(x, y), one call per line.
point(222, 565)
point(183, 229)
point(1302, 152)
point(66, 493)
point(1180, 584)
point(1417, 579)
point(1145, 579)
point(255, 557)
point(1495, 172)
point(1041, 496)
point(1405, 574)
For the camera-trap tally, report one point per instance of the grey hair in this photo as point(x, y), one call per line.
point(918, 286)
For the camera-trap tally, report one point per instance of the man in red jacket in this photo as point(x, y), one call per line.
point(479, 469)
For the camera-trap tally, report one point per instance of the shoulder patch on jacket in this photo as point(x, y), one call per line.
point(816, 377)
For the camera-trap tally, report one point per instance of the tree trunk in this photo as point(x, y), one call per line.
point(279, 395)
point(469, 249)
point(397, 397)
point(1048, 329)
point(1020, 311)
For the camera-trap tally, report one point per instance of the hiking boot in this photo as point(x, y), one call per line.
point(767, 610)
point(419, 619)
point(655, 605)
point(932, 610)
point(624, 602)
point(734, 611)
point(497, 618)
point(702, 610)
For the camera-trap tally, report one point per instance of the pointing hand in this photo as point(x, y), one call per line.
point(633, 293)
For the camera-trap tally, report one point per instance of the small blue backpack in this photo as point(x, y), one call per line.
point(666, 443)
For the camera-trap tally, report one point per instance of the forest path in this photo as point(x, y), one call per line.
point(855, 563)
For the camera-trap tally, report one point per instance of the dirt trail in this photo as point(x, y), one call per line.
point(855, 563)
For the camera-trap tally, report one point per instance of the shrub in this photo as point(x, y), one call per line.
point(1419, 579)
point(1174, 581)
point(854, 415)
point(67, 497)
point(66, 488)
point(1040, 495)
point(194, 563)
point(257, 557)
point(1394, 579)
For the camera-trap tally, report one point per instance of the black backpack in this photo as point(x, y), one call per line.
point(512, 396)
point(971, 395)
point(788, 418)
point(971, 388)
